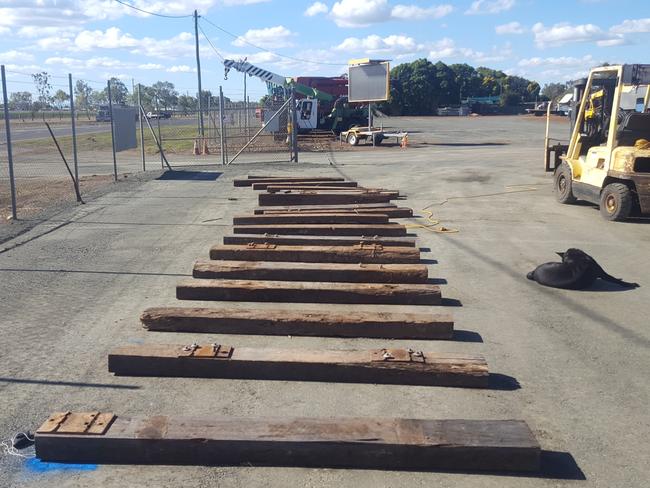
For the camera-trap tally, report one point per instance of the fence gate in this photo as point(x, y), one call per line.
point(232, 131)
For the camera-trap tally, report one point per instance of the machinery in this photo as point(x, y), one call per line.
point(607, 160)
point(316, 109)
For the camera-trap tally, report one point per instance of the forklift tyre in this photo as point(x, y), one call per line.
point(616, 202)
point(352, 139)
point(563, 190)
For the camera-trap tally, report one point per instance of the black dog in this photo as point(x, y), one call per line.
point(577, 271)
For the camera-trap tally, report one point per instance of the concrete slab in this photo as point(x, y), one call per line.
point(574, 364)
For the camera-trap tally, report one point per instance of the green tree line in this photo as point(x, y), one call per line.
point(161, 95)
point(420, 87)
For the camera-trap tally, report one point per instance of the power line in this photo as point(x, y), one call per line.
point(235, 36)
point(211, 45)
point(121, 2)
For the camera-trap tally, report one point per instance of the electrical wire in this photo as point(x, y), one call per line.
point(242, 39)
point(211, 45)
point(121, 2)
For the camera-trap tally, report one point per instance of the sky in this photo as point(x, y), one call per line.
point(543, 40)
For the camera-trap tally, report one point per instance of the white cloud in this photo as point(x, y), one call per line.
point(316, 8)
point(571, 61)
point(150, 66)
point(394, 45)
point(353, 13)
point(510, 28)
point(565, 33)
point(5, 30)
point(54, 43)
point(413, 12)
point(631, 26)
point(269, 37)
point(112, 38)
point(446, 48)
point(479, 7)
point(183, 68)
point(234, 3)
point(181, 45)
point(13, 55)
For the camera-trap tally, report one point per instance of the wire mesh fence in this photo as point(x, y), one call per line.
point(46, 168)
point(237, 130)
point(54, 154)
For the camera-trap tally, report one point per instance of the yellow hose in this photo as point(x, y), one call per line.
point(431, 225)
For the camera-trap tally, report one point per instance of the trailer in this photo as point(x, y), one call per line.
point(375, 134)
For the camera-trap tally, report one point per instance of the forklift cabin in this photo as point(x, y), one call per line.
point(607, 159)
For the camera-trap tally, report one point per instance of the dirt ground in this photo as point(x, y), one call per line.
point(36, 195)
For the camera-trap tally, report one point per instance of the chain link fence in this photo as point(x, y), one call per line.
point(56, 162)
point(235, 131)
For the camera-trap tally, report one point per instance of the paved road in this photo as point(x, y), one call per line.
point(580, 359)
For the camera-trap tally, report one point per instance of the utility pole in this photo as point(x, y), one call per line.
point(198, 71)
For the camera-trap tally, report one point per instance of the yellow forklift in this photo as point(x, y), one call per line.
point(607, 160)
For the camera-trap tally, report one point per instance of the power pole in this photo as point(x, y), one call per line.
point(198, 71)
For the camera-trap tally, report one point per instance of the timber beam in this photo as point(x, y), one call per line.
point(290, 240)
point(313, 198)
point(297, 271)
point(307, 218)
point(308, 292)
point(385, 366)
point(288, 179)
point(390, 229)
point(391, 212)
point(310, 184)
point(319, 323)
point(366, 443)
point(361, 253)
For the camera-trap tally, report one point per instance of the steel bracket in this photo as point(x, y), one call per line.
point(81, 423)
point(259, 245)
point(211, 351)
point(367, 246)
point(398, 356)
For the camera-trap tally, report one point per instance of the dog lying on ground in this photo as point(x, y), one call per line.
point(577, 271)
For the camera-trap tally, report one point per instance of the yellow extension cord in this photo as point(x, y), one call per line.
point(430, 226)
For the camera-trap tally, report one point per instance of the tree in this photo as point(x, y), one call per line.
point(97, 97)
point(165, 93)
point(43, 87)
point(82, 93)
point(186, 103)
point(119, 92)
point(554, 90)
point(60, 97)
point(414, 90)
point(20, 101)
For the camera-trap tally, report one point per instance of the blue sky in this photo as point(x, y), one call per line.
point(547, 41)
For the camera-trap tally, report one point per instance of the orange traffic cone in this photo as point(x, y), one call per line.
point(195, 149)
point(405, 141)
point(205, 149)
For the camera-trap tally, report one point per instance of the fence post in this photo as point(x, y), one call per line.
point(74, 140)
point(160, 141)
point(110, 109)
point(10, 158)
point(223, 139)
point(294, 127)
point(140, 112)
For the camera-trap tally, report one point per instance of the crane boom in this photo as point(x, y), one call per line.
point(252, 70)
point(275, 80)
